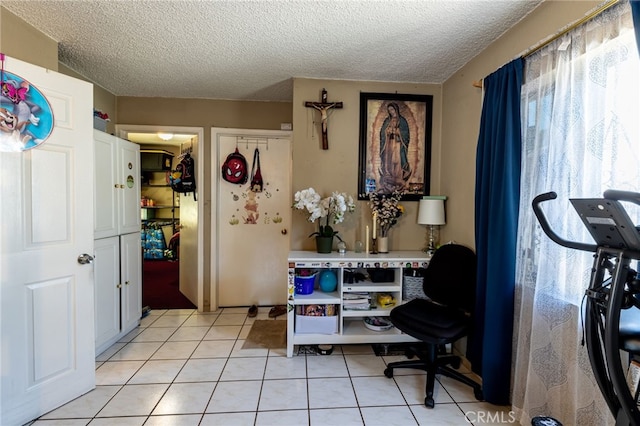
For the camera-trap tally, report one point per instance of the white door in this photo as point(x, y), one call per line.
point(46, 300)
point(190, 240)
point(251, 236)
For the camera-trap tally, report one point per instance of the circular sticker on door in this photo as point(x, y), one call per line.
point(26, 118)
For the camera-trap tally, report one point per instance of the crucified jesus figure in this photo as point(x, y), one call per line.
point(323, 106)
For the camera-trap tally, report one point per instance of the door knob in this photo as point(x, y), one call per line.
point(85, 258)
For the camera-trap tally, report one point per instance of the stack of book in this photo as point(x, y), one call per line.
point(356, 301)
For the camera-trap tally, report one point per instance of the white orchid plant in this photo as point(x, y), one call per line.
point(332, 208)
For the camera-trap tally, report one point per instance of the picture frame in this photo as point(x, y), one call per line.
point(408, 166)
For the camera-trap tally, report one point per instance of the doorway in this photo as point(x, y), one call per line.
point(172, 232)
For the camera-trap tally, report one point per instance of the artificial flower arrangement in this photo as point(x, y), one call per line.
point(387, 208)
point(332, 208)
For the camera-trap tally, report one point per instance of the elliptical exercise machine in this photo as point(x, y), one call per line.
point(612, 309)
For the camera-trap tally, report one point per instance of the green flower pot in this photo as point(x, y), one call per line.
point(324, 244)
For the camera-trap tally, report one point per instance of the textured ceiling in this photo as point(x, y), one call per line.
point(251, 50)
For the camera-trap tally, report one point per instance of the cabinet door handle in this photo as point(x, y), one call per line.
point(126, 282)
point(119, 285)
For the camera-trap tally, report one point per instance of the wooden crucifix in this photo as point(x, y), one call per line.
point(323, 106)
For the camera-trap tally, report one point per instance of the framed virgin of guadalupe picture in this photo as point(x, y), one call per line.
point(395, 144)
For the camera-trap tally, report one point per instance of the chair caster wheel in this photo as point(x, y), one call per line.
point(429, 402)
point(478, 394)
point(388, 372)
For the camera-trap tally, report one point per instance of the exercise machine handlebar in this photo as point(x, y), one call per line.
point(537, 201)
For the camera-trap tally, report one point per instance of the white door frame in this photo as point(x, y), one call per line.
point(122, 130)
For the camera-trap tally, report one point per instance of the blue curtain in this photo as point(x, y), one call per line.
point(496, 222)
point(635, 12)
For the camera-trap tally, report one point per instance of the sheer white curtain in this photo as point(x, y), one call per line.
point(581, 136)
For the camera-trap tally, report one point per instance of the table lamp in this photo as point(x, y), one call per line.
point(431, 213)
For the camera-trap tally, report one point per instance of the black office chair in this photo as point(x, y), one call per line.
point(442, 318)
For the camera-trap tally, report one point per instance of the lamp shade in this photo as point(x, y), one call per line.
point(431, 211)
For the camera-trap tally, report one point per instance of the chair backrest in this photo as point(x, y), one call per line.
point(450, 277)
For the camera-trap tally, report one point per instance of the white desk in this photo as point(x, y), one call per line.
point(348, 324)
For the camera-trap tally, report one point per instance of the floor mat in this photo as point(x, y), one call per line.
point(269, 334)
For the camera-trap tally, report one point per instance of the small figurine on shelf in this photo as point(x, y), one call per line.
point(385, 300)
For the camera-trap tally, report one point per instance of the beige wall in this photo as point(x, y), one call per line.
point(21, 41)
point(457, 108)
point(204, 113)
point(336, 169)
point(462, 104)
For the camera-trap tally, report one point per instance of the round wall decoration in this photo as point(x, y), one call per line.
point(26, 118)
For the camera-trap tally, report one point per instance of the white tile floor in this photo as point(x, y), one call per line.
point(181, 367)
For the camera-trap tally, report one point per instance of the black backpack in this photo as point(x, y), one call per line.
point(183, 178)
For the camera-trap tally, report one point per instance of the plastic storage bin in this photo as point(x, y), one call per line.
point(316, 325)
point(304, 285)
point(412, 288)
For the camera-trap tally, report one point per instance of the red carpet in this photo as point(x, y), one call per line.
point(160, 286)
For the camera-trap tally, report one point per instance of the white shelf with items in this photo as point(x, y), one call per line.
point(388, 270)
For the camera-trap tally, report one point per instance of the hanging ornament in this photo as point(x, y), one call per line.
point(26, 118)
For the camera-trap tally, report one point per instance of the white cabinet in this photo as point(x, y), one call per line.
point(353, 272)
point(106, 269)
point(118, 251)
point(131, 281)
point(117, 190)
point(118, 287)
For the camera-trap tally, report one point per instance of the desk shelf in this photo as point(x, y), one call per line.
point(351, 328)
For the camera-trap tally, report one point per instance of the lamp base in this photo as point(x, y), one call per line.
point(432, 238)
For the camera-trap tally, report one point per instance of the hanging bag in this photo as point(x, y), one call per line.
point(183, 178)
point(256, 177)
point(234, 168)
